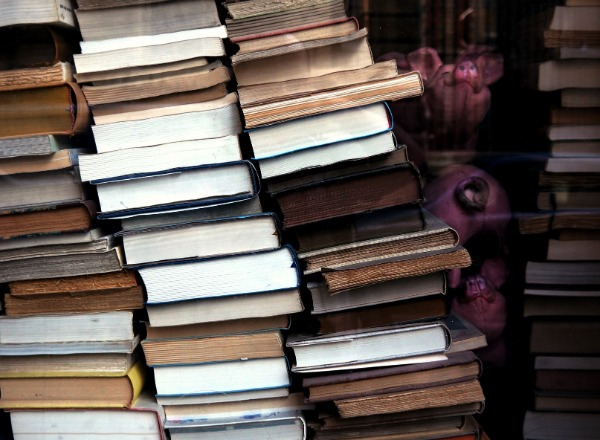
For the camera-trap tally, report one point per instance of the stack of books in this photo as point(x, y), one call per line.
point(561, 302)
point(171, 167)
point(69, 347)
point(373, 259)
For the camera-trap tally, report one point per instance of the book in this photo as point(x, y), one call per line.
point(306, 60)
point(48, 220)
point(201, 399)
point(572, 165)
point(60, 109)
point(537, 305)
point(575, 97)
point(350, 194)
point(210, 238)
point(565, 73)
point(335, 28)
point(364, 226)
point(38, 145)
point(206, 120)
point(56, 74)
point(216, 348)
point(74, 392)
point(552, 425)
point(233, 209)
point(177, 188)
point(237, 411)
point(96, 282)
point(247, 273)
point(464, 335)
point(51, 12)
point(149, 55)
point(569, 148)
point(562, 272)
point(237, 10)
point(566, 373)
point(436, 235)
point(577, 248)
point(144, 417)
point(221, 377)
point(312, 353)
point(28, 191)
point(81, 327)
point(566, 115)
point(287, 19)
point(402, 86)
point(69, 365)
point(539, 222)
point(56, 266)
point(580, 132)
point(566, 401)
point(154, 158)
point(62, 159)
point(64, 348)
point(399, 312)
point(567, 199)
point(351, 277)
point(459, 366)
point(433, 284)
point(225, 308)
point(145, 19)
point(430, 396)
point(310, 132)
point(137, 88)
point(293, 428)
point(567, 336)
point(319, 156)
point(131, 298)
point(571, 18)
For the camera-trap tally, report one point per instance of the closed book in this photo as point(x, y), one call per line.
point(350, 194)
point(569, 401)
point(145, 19)
point(225, 308)
point(221, 377)
point(74, 392)
point(355, 348)
point(203, 239)
point(548, 199)
point(32, 46)
point(56, 74)
point(552, 425)
point(202, 399)
point(205, 120)
point(535, 223)
point(37, 145)
point(307, 60)
point(54, 12)
point(562, 74)
point(59, 110)
point(247, 273)
point(237, 11)
point(567, 336)
point(468, 391)
point(62, 159)
point(175, 189)
point(338, 385)
point(562, 272)
point(537, 305)
point(216, 348)
point(144, 417)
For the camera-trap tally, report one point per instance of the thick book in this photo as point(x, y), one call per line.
point(225, 308)
point(143, 418)
point(247, 273)
point(205, 120)
point(349, 194)
point(566, 336)
point(572, 165)
point(239, 396)
point(283, 20)
point(319, 130)
point(339, 385)
point(433, 284)
point(360, 275)
point(56, 74)
point(576, 97)
point(254, 8)
point(566, 73)
point(146, 19)
point(48, 220)
point(469, 391)
point(540, 222)
point(564, 198)
point(573, 132)
point(175, 189)
point(222, 377)
point(331, 55)
point(188, 80)
point(312, 353)
point(49, 12)
point(402, 86)
point(576, 148)
point(436, 235)
point(464, 335)
point(155, 158)
point(67, 158)
point(569, 401)
point(36, 145)
point(74, 392)
point(203, 239)
point(553, 425)
point(59, 110)
point(562, 272)
point(216, 348)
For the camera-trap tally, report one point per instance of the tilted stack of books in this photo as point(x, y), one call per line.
point(69, 348)
point(561, 295)
point(373, 260)
point(220, 283)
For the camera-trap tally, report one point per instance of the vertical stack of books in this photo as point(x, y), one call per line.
point(373, 260)
point(561, 302)
point(67, 333)
point(169, 165)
